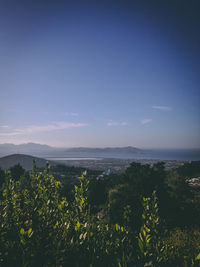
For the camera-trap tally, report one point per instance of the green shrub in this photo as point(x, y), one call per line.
point(39, 227)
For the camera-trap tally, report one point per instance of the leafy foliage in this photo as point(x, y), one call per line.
point(40, 227)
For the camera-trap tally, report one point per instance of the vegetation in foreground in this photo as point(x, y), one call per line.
point(142, 218)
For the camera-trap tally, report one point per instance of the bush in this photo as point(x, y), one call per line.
point(40, 228)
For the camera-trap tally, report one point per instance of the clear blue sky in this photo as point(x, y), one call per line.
point(100, 73)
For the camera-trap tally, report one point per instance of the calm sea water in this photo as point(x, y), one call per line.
point(159, 154)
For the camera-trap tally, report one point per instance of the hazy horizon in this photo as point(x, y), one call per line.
point(142, 148)
point(100, 73)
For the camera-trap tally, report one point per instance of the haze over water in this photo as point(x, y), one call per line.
point(159, 154)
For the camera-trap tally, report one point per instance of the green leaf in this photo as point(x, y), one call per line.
point(77, 226)
point(76, 188)
point(30, 232)
point(57, 183)
point(117, 227)
point(82, 202)
point(22, 232)
point(55, 225)
point(146, 228)
point(197, 257)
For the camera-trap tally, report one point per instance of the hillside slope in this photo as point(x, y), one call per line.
point(26, 161)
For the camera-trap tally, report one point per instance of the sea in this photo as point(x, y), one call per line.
point(147, 154)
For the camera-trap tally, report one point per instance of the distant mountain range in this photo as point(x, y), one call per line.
point(29, 148)
point(128, 152)
point(48, 151)
point(25, 161)
point(13, 154)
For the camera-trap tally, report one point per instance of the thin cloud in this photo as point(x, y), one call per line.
point(145, 121)
point(4, 126)
point(115, 123)
point(43, 128)
point(166, 108)
point(9, 134)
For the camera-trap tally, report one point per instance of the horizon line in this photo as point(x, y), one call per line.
point(101, 147)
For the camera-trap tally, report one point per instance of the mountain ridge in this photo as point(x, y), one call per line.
point(45, 150)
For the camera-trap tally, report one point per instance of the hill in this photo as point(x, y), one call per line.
point(25, 161)
point(44, 151)
point(28, 148)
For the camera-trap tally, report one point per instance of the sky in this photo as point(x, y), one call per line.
point(100, 73)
